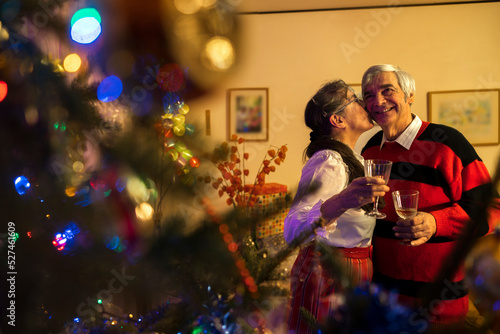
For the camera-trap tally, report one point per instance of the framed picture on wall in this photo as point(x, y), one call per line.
point(248, 113)
point(472, 112)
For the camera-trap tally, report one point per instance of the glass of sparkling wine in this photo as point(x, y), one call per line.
point(406, 205)
point(382, 169)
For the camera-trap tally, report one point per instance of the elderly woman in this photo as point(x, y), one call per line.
point(332, 187)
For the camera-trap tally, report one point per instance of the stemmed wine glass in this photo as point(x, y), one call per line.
point(406, 205)
point(382, 169)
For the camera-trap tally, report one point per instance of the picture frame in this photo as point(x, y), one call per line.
point(248, 113)
point(475, 113)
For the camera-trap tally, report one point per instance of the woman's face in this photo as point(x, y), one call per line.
point(355, 114)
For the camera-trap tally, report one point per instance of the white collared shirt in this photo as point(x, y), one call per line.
point(408, 136)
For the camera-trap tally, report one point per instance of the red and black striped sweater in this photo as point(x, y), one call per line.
point(453, 182)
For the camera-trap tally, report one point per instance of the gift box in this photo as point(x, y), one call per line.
point(271, 203)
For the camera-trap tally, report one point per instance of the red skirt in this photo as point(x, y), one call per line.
point(312, 287)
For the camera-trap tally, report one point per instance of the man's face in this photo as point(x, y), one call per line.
point(386, 102)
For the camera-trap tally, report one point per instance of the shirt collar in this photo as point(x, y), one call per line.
point(408, 136)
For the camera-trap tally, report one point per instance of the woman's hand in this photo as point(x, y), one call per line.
point(359, 192)
point(363, 190)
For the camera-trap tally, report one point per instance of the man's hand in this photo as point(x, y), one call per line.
point(418, 229)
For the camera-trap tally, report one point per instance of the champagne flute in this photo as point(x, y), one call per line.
point(406, 205)
point(382, 169)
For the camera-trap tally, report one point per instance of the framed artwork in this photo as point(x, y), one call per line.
point(248, 113)
point(472, 112)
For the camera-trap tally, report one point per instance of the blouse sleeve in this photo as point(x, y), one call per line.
point(324, 175)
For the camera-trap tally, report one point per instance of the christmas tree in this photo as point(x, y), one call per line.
point(109, 223)
point(107, 228)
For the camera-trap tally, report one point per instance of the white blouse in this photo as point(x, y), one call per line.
point(324, 175)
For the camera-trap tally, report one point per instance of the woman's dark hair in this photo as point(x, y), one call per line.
point(329, 98)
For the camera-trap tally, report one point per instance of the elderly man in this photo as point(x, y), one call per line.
point(452, 180)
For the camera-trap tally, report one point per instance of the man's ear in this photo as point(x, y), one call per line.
point(411, 98)
point(337, 121)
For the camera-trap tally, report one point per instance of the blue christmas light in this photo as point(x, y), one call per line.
point(63, 239)
point(479, 280)
point(121, 184)
point(85, 26)
point(113, 243)
point(22, 185)
point(110, 89)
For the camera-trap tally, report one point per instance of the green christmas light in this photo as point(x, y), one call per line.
point(84, 13)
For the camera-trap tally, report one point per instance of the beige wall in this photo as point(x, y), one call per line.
point(446, 47)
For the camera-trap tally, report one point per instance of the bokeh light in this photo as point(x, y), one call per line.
point(137, 190)
point(72, 63)
point(22, 184)
point(59, 241)
point(171, 78)
point(70, 191)
point(85, 26)
point(65, 238)
point(187, 28)
point(60, 126)
point(144, 211)
point(109, 89)
point(113, 243)
point(31, 115)
point(26, 67)
point(3, 90)
point(218, 53)
point(9, 10)
point(233, 247)
point(78, 167)
point(188, 6)
point(209, 3)
point(85, 12)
